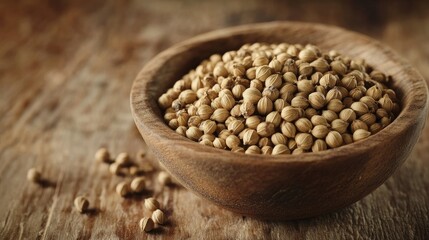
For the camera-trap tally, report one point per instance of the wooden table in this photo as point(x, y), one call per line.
point(66, 68)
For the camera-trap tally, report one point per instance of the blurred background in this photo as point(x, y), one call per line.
point(45, 33)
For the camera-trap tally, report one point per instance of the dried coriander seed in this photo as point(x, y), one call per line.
point(146, 224)
point(265, 129)
point(193, 133)
point(334, 139)
point(232, 141)
point(288, 129)
point(317, 100)
point(251, 137)
point(247, 109)
point(360, 134)
point(123, 159)
point(304, 140)
point(294, 88)
point(320, 131)
point(151, 204)
point(158, 217)
point(138, 184)
point(81, 204)
point(252, 95)
point(219, 143)
point(164, 178)
point(102, 155)
point(339, 125)
point(267, 150)
point(358, 124)
point(278, 138)
point(303, 125)
point(253, 150)
point(123, 189)
point(280, 149)
point(319, 145)
point(264, 106)
point(253, 121)
point(115, 169)
point(290, 114)
point(33, 175)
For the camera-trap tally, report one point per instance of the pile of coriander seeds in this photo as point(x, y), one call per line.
point(279, 99)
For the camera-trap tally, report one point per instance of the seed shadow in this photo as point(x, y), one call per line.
point(46, 183)
point(92, 212)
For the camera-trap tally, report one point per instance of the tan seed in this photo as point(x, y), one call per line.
point(151, 204)
point(146, 224)
point(123, 189)
point(265, 129)
point(280, 149)
point(320, 131)
point(360, 134)
point(253, 150)
point(123, 159)
point(158, 217)
point(33, 175)
point(138, 184)
point(102, 155)
point(304, 140)
point(81, 204)
point(319, 145)
point(164, 178)
point(334, 139)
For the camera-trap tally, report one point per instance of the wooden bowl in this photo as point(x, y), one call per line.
point(280, 187)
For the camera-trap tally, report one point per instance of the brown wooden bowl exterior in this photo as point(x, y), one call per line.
point(280, 187)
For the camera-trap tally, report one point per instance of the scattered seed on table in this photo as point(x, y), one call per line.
point(164, 178)
point(81, 204)
point(102, 155)
point(146, 224)
point(151, 204)
point(138, 184)
point(158, 217)
point(123, 189)
point(33, 175)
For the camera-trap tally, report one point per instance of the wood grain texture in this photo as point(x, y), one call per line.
point(66, 68)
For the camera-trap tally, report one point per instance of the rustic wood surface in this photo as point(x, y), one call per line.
point(66, 69)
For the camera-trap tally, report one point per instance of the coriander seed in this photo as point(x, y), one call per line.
point(278, 138)
point(164, 178)
point(263, 95)
point(123, 159)
point(33, 175)
point(267, 150)
point(123, 189)
point(265, 129)
point(360, 134)
point(253, 150)
point(151, 204)
point(251, 137)
point(304, 140)
point(138, 184)
point(232, 141)
point(280, 149)
point(303, 125)
point(320, 131)
point(146, 224)
point(81, 204)
point(102, 155)
point(158, 217)
point(334, 139)
point(319, 145)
